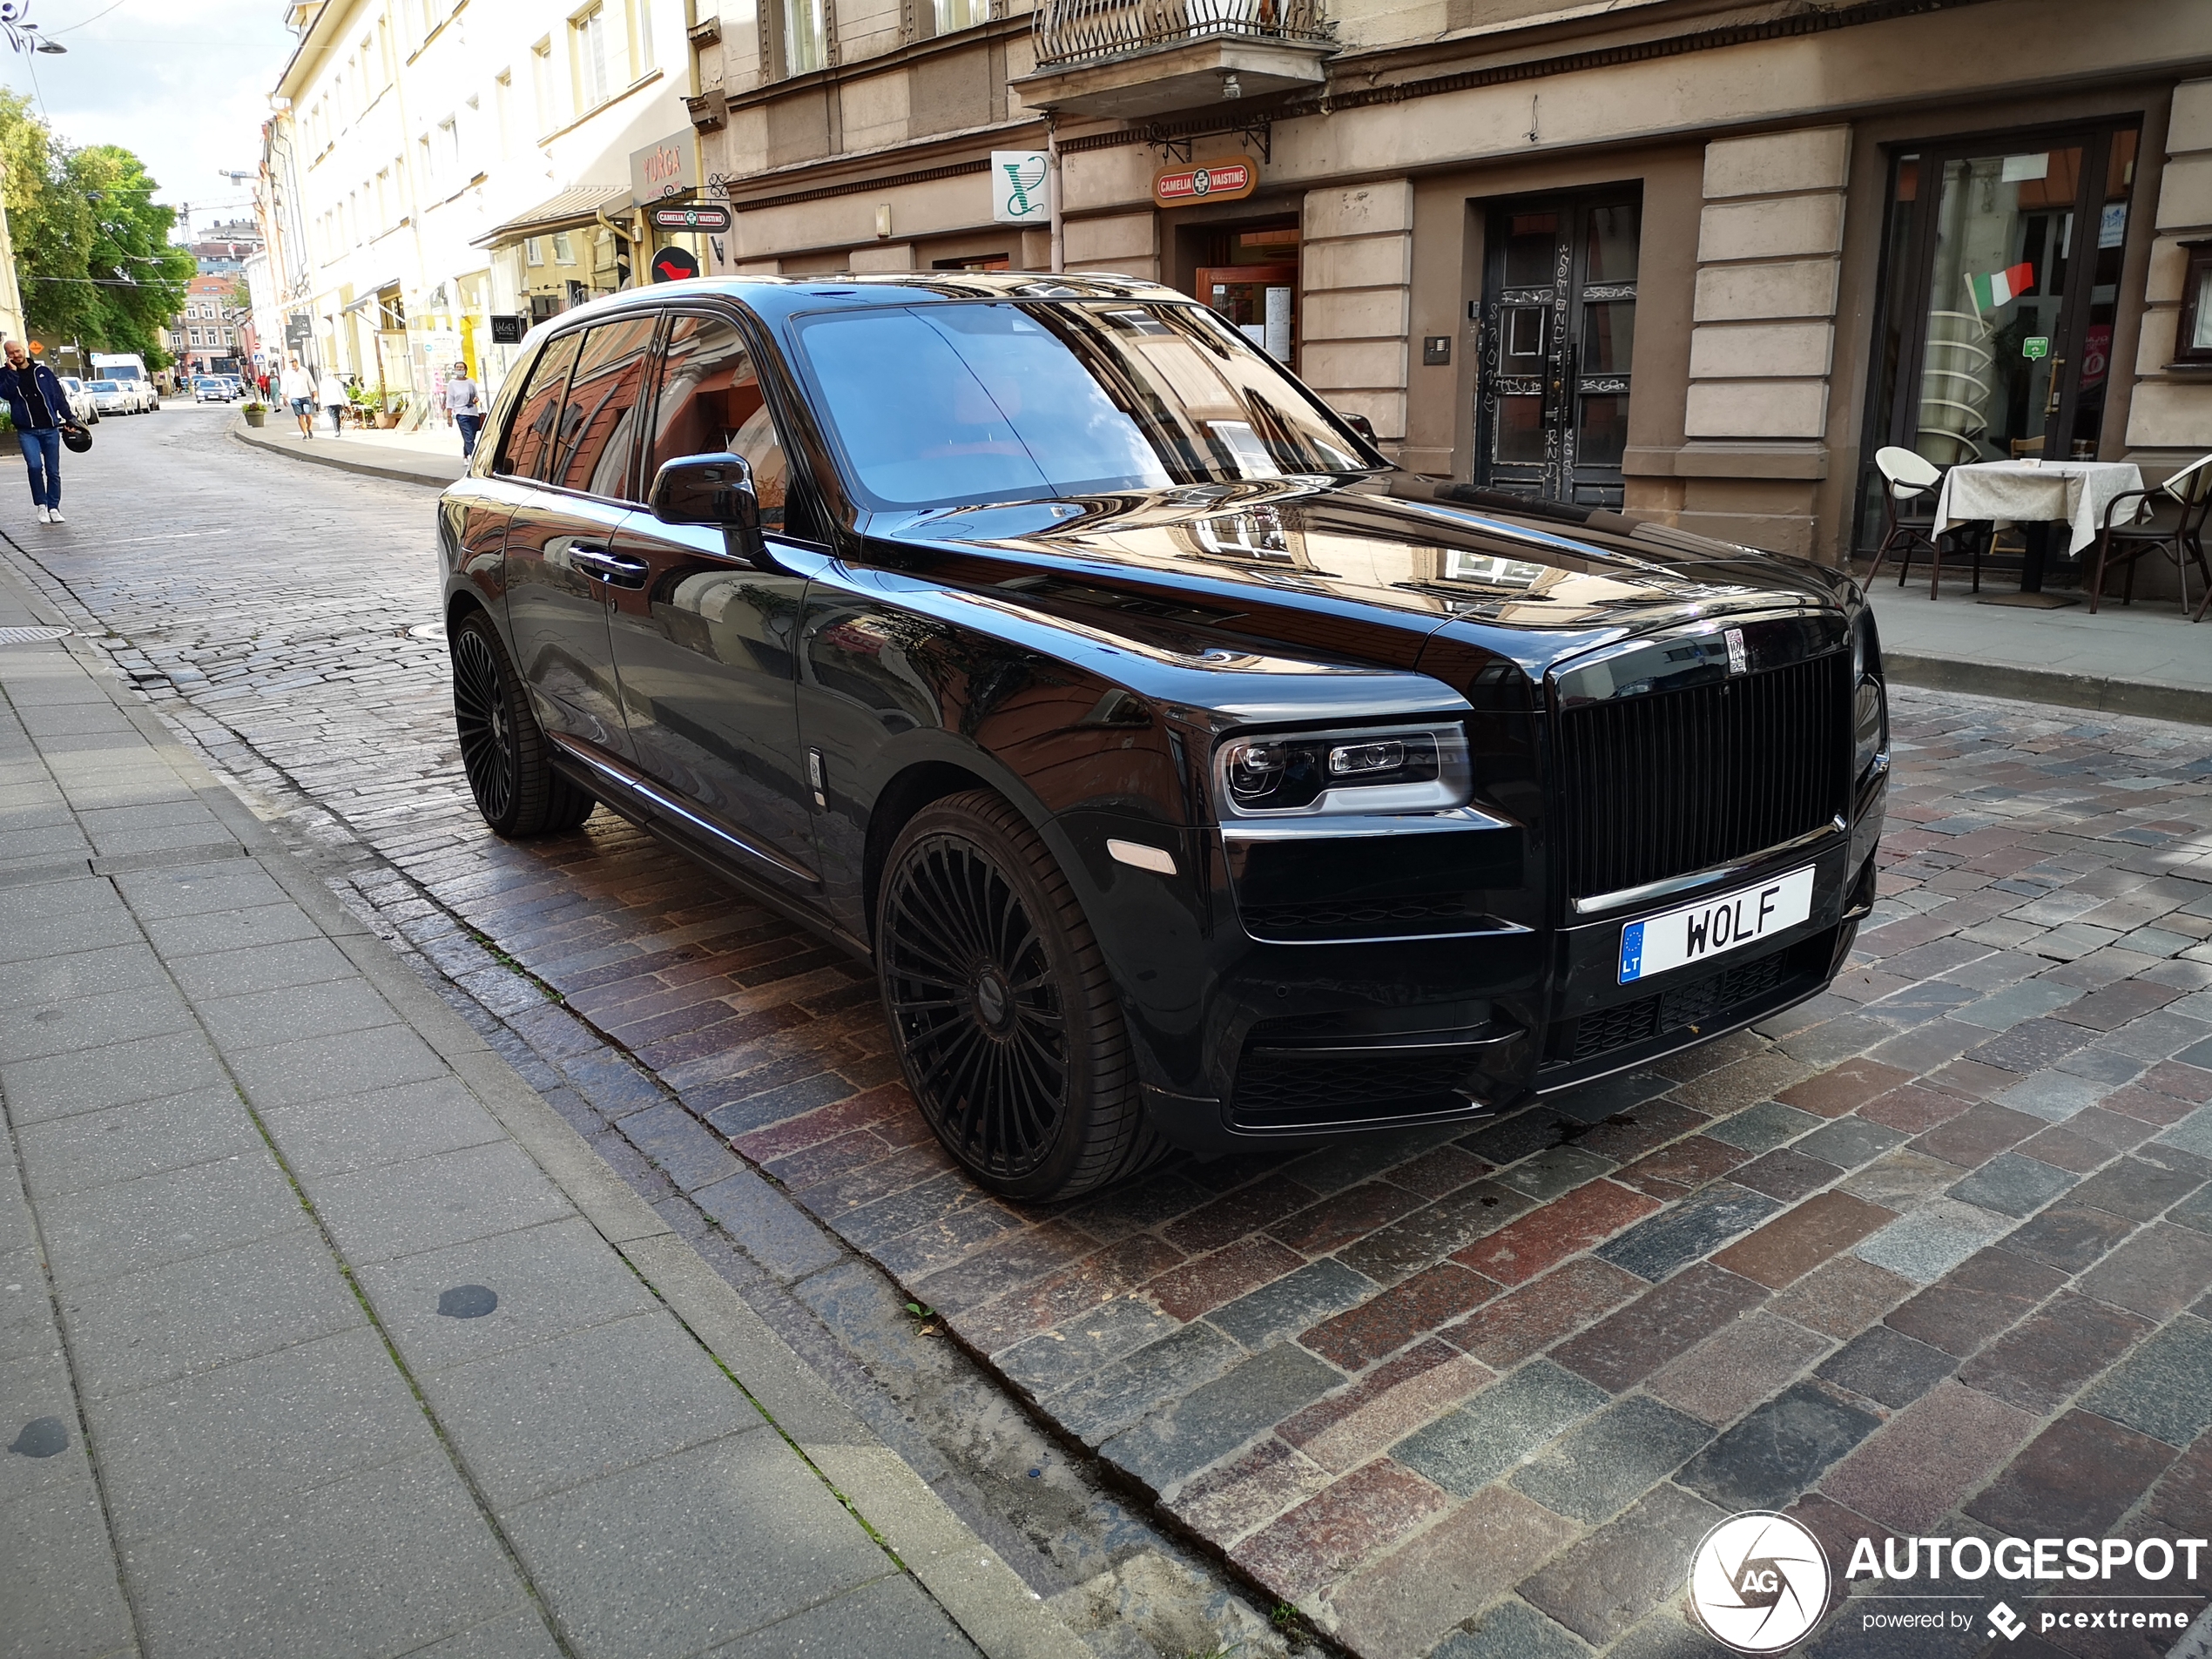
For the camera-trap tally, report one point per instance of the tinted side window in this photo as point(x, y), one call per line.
point(711, 400)
point(599, 421)
point(529, 442)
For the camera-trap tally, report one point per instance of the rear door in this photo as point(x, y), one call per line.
point(704, 641)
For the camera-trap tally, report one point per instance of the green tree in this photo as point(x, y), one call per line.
point(92, 251)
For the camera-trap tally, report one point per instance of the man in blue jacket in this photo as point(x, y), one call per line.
point(38, 406)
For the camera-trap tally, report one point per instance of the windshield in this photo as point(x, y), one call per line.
point(118, 374)
point(993, 400)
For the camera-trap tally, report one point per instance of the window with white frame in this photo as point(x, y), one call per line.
point(641, 38)
point(588, 53)
point(563, 251)
point(804, 38)
point(541, 82)
point(961, 14)
point(534, 250)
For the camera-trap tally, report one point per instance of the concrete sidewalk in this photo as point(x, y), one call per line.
point(431, 456)
point(322, 1333)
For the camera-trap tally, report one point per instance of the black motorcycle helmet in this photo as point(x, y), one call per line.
point(76, 438)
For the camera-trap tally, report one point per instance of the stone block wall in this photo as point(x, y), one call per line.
point(1356, 271)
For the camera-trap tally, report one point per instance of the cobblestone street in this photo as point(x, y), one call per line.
point(1924, 1257)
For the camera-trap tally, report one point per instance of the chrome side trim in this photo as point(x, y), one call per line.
point(1650, 890)
point(629, 778)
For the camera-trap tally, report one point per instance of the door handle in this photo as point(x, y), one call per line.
point(615, 570)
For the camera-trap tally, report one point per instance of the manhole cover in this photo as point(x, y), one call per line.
point(31, 636)
point(427, 631)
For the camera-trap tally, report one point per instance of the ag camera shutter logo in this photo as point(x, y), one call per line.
point(1759, 1583)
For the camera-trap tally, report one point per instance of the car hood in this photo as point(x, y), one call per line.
point(1398, 573)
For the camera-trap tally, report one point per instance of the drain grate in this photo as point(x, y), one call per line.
point(31, 636)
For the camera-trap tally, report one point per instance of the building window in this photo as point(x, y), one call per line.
point(534, 250)
point(803, 37)
point(503, 106)
point(541, 82)
point(961, 14)
point(588, 51)
point(449, 151)
point(641, 42)
point(563, 251)
point(2193, 339)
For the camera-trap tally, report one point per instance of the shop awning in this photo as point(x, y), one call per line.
point(562, 212)
point(369, 298)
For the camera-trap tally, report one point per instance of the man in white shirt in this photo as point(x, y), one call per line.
point(299, 389)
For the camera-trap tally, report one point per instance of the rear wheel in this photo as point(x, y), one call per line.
point(999, 1001)
point(503, 749)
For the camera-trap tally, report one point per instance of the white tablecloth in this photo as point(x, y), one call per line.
point(2006, 491)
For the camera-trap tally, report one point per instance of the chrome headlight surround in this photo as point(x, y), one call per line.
point(1870, 702)
point(1364, 771)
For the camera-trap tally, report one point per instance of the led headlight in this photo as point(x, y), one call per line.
point(1418, 770)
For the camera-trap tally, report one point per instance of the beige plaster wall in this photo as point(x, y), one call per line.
point(2172, 410)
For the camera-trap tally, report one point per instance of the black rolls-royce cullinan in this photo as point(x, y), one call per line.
point(1188, 775)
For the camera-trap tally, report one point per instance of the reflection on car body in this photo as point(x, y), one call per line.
point(1190, 776)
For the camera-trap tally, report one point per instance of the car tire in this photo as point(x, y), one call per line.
point(1002, 1008)
point(504, 752)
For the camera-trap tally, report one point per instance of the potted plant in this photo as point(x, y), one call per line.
point(10, 443)
point(255, 412)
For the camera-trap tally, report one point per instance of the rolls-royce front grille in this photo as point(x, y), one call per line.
point(1675, 782)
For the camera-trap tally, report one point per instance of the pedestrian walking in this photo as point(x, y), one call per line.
point(299, 388)
point(335, 400)
point(39, 408)
point(464, 402)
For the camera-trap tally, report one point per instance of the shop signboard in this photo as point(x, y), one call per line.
point(669, 168)
point(691, 217)
point(508, 328)
point(1207, 181)
point(1020, 187)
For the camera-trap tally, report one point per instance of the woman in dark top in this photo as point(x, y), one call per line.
point(38, 407)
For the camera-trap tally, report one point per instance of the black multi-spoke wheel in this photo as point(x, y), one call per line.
point(998, 998)
point(502, 750)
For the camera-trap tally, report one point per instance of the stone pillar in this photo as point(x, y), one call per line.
point(1356, 271)
point(1127, 243)
point(2168, 410)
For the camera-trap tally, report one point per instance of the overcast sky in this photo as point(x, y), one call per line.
point(184, 83)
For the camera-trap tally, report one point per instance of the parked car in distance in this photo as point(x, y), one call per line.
point(212, 388)
point(1188, 775)
point(128, 371)
point(82, 409)
point(113, 397)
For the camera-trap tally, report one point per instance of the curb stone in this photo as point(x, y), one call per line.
point(431, 473)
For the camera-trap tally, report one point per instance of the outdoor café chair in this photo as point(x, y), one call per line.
point(2167, 520)
point(1906, 478)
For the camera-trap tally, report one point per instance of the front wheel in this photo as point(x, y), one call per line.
point(503, 749)
point(1000, 1006)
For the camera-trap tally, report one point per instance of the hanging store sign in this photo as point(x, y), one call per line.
point(509, 327)
point(669, 168)
point(689, 219)
point(1020, 187)
point(1225, 181)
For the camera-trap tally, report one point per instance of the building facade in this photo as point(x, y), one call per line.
point(1695, 258)
point(209, 336)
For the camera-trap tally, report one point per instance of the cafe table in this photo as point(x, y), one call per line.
point(2074, 493)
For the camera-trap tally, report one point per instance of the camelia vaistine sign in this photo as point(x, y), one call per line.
point(1020, 187)
point(1209, 181)
point(669, 168)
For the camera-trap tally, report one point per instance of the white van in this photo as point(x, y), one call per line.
point(120, 384)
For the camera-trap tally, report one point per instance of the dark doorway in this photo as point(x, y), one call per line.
point(1559, 314)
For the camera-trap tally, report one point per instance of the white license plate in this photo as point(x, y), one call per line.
point(1714, 926)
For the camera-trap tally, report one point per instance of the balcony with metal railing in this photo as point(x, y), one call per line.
point(1144, 58)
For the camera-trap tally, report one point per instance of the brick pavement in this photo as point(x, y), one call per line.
point(1929, 1252)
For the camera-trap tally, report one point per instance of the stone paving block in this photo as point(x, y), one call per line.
point(695, 1550)
point(1915, 1108)
point(353, 1132)
point(1901, 1180)
point(1522, 1249)
point(1986, 1293)
point(227, 973)
point(1909, 1474)
point(2165, 1388)
point(1081, 1347)
point(302, 1070)
point(1107, 1399)
point(1343, 1216)
point(1358, 1516)
point(1842, 1298)
point(2032, 1045)
point(2140, 1187)
point(889, 1614)
point(2193, 1134)
point(1467, 1449)
point(1793, 1244)
point(531, 1421)
point(1592, 1471)
point(1764, 1127)
point(1347, 1428)
point(1390, 1320)
point(1549, 1174)
point(1306, 1296)
point(1434, 1231)
point(1842, 1089)
point(1193, 1287)
point(1740, 1364)
point(2073, 1480)
point(62, 1595)
point(320, 1410)
point(1685, 1167)
point(1664, 1243)
point(1212, 1421)
point(99, 1148)
point(1249, 1209)
point(2013, 1185)
point(1976, 1135)
point(1928, 1243)
point(1788, 1174)
point(394, 1210)
point(774, 1232)
point(77, 1023)
point(104, 1233)
point(1521, 1135)
point(2028, 1000)
point(1610, 1579)
point(1504, 1332)
point(269, 924)
point(1887, 1367)
point(1779, 1449)
point(261, 1019)
point(1226, 1503)
point(1669, 1318)
point(2049, 1357)
point(2069, 1237)
point(2157, 1273)
point(143, 1068)
point(1511, 1630)
point(2052, 1095)
point(550, 1280)
point(1068, 1294)
point(1398, 1606)
point(312, 1573)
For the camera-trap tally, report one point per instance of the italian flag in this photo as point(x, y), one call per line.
point(2001, 287)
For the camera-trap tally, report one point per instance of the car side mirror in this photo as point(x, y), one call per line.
point(710, 489)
